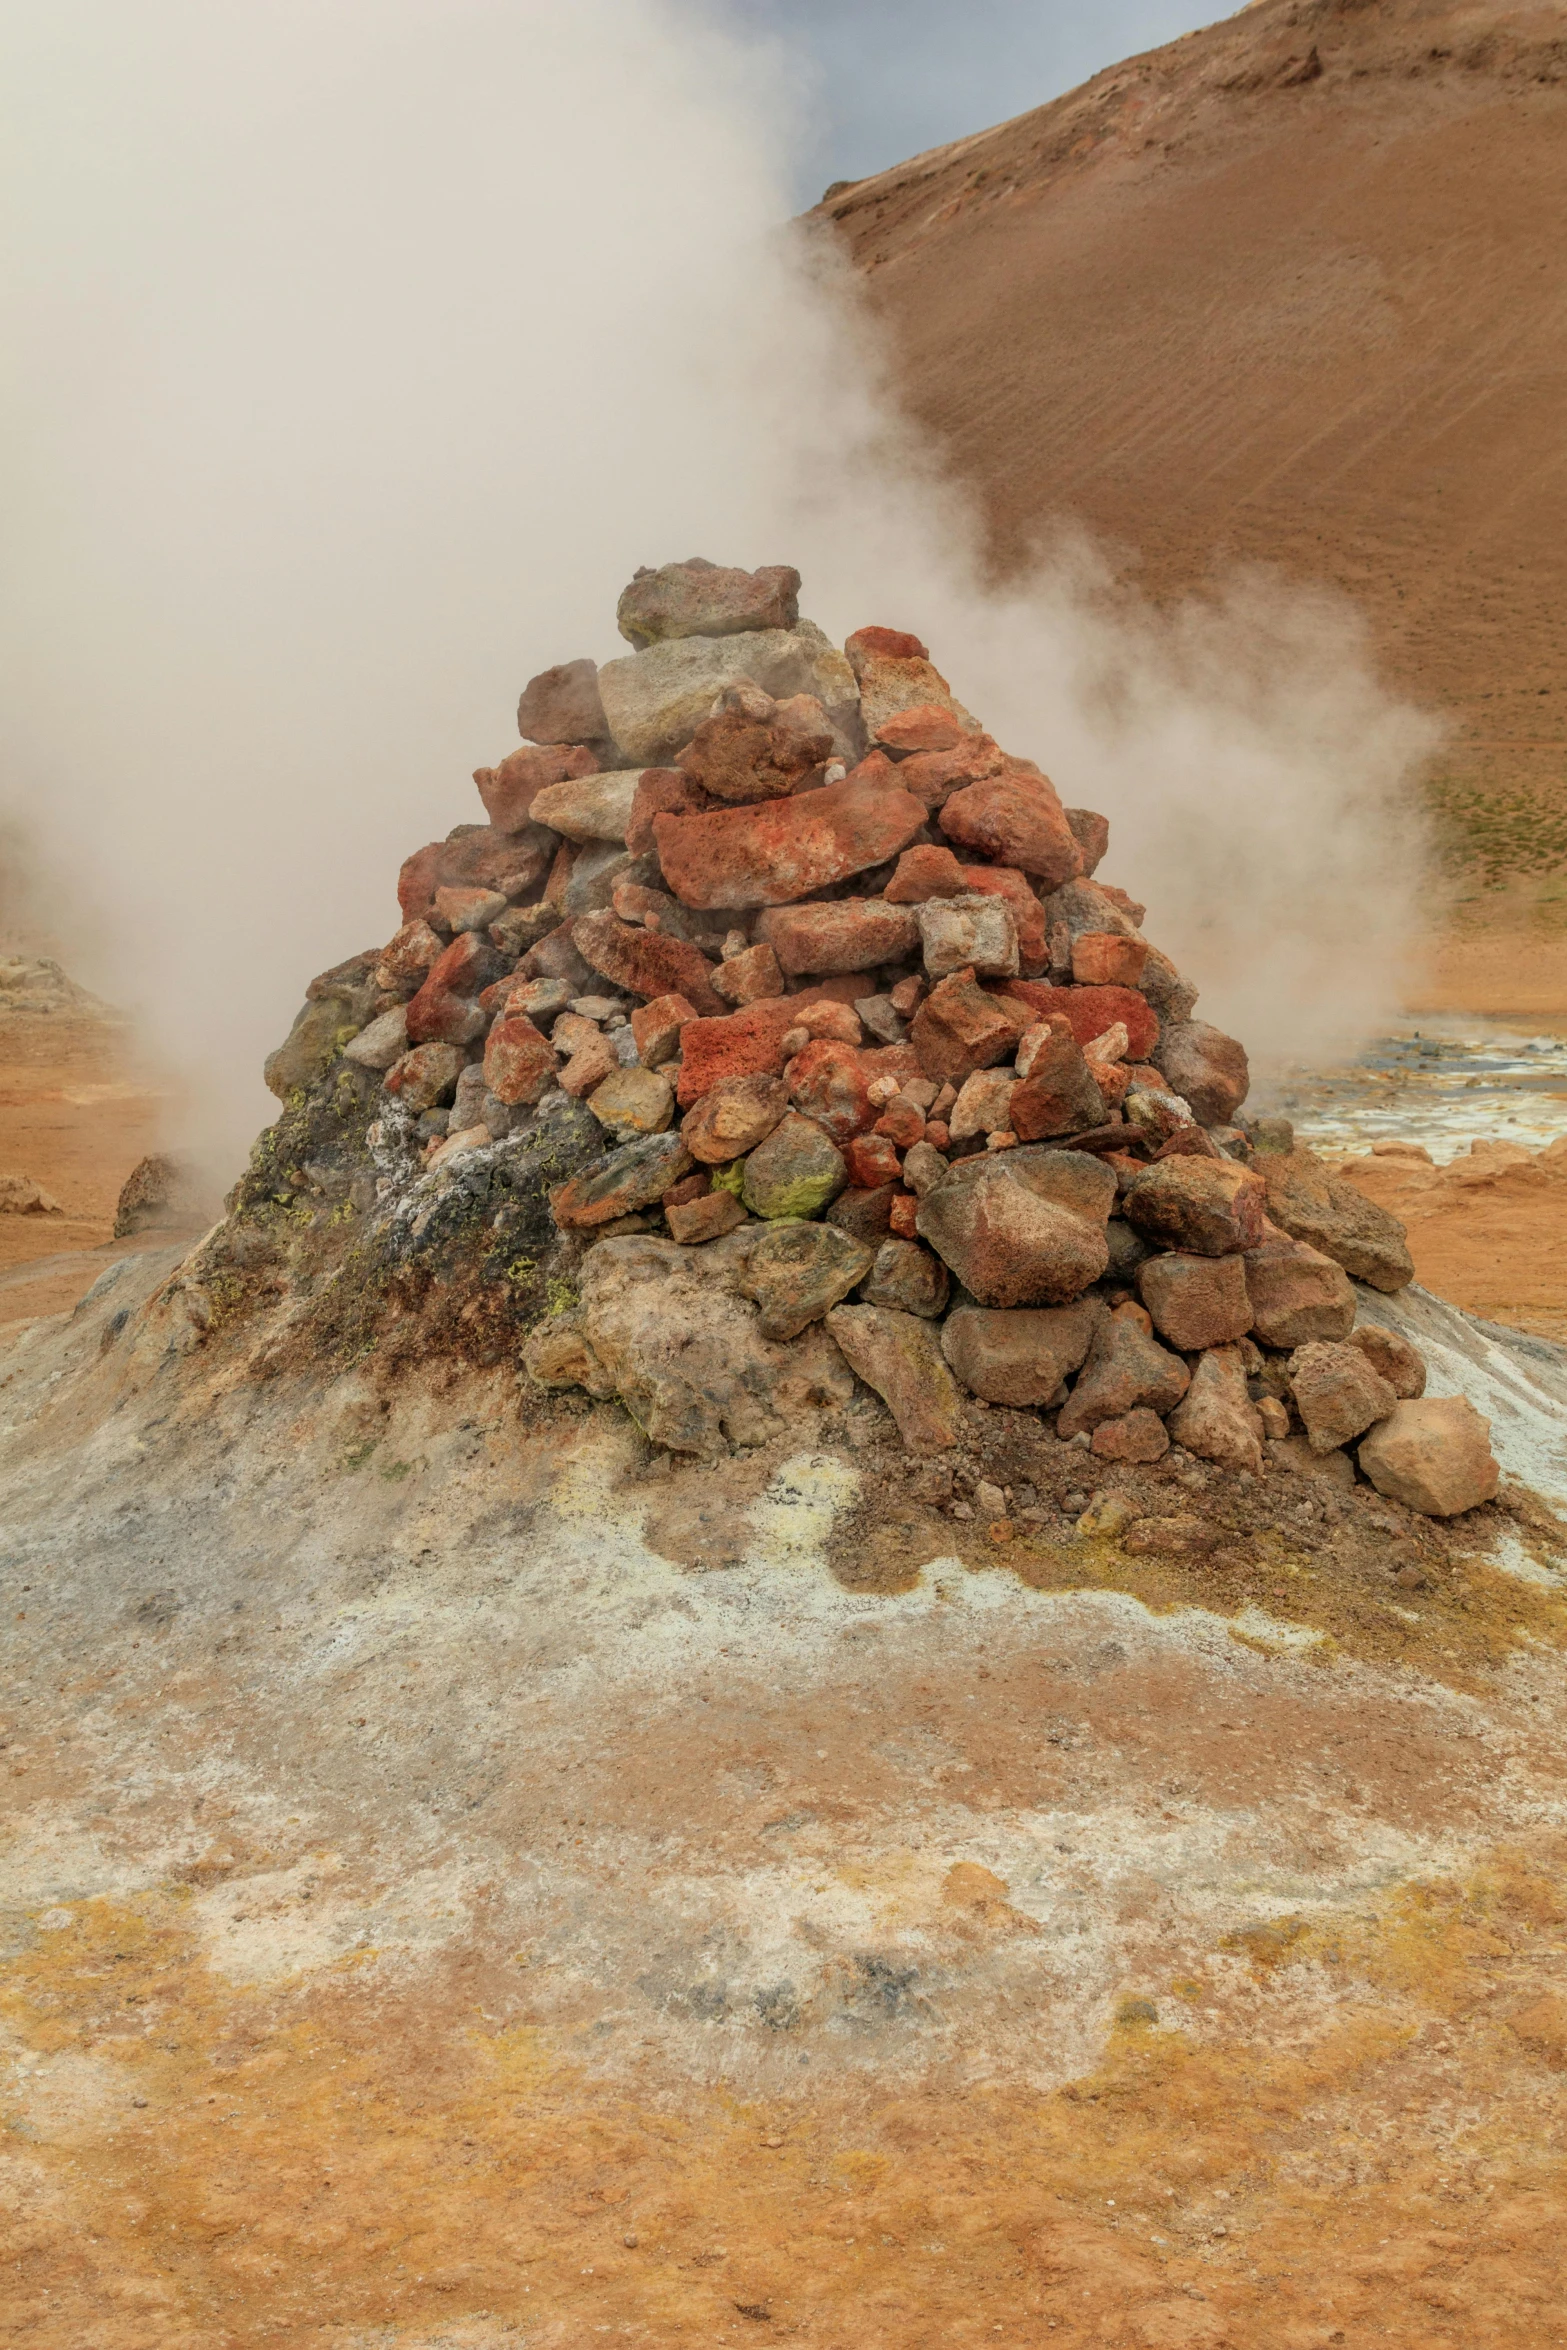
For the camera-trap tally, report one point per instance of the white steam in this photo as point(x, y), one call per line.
point(359, 351)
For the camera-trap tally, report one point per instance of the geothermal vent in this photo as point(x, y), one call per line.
point(774, 1033)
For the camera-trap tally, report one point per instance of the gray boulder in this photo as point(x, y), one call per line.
point(664, 1329)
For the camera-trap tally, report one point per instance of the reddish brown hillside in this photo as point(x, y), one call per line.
point(1295, 288)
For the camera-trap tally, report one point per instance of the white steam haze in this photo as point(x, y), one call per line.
point(359, 350)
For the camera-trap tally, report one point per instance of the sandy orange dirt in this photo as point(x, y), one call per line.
point(1489, 1231)
point(78, 1109)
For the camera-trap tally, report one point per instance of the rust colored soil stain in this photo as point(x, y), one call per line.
point(1315, 2135)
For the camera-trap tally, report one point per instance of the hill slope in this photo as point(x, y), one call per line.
point(1295, 289)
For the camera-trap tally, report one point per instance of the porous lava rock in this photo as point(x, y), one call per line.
point(1216, 1418)
point(1015, 818)
point(1196, 1301)
point(1211, 1207)
point(562, 705)
point(756, 748)
point(1338, 1393)
point(1312, 1205)
point(781, 850)
point(1297, 1294)
point(1024, 1228)
point(732, 1117)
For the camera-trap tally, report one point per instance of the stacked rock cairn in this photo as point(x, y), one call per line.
point(881, 1068)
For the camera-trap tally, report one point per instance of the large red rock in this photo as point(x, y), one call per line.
point(928, 726)
point(1058, 1094)
point(1021, 1227)
point(1127, 1370)
point(732, 1117)
point(845, 934)
point(894, 682)
point(933, 776)
point(657, 1027)
point(927, 871)
point(1216, 1418)
point(647, 963)
point(660, 791)
point(883, 644)
point(1015, 818)
point(1197, 1301)
point(1434, 1456)
point(753, 748)
point(1091, 832)
point(438, 1016)
point(772, 853)
point(1103, 958)
point(960, 1027)
point(1209, 1207)
point(510, 789)
point(830, 1083)
point(477, 856)
point(745, 1044)
point(1019, 1358)
point(1090, 1011)
point(411, 955)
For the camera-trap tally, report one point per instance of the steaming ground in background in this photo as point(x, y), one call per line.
point(1290, 291)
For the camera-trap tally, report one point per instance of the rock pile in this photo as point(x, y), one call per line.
point(885, 1083)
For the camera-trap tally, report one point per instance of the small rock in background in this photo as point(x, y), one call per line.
point(21, 1196)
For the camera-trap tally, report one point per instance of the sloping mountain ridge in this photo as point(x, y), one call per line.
point(1293, 290)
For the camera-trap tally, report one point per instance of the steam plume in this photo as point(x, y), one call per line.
point(360, 352)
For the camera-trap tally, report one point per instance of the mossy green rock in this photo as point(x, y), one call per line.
point(795, 1172)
